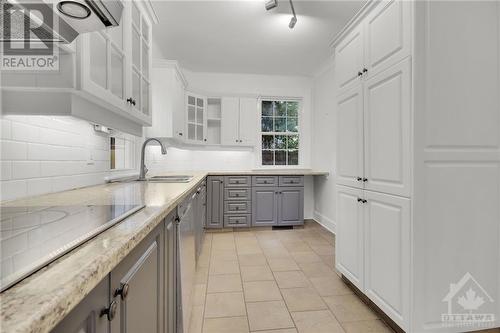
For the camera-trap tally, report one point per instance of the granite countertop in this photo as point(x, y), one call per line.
point(39, 302)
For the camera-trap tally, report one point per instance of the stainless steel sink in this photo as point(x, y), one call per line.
point(170, 179)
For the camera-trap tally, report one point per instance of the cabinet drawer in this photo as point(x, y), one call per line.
point(242, 220)
point(291, 180)
point(239, 207)
point(265, 180)
point(237, 181)
point(237, 194)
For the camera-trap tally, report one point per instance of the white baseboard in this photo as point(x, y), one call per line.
point(325, 222)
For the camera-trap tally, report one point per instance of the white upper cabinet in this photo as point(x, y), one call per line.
point(349, 58)
point(387, 130)
point(238, 121)
point(350, 138)
point(387, 35)
point(196, 123)
point(379, 41)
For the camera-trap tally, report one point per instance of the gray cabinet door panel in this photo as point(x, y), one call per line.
point(237, 194)
point(142, 270)
point(170, 274)
point(215, 202)
point(85, 317)
point(237, 181)
point(291, 205)
point(265, 181)
point(237, 207)
point(264, 206)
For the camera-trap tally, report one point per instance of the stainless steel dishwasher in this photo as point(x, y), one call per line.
point(186, 262)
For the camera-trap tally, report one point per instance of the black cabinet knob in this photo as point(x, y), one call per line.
point(365, 180)
point(122, 291)
point(359, 179)
point(360, 200)
point(364, 201)
point(110, 312)
point(129, 100)
point(365, 70)
point(359, 73)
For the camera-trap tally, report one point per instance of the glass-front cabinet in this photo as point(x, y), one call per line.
point(196, 118)
point(115, 64)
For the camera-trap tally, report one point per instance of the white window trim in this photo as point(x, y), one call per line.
point(259, 165)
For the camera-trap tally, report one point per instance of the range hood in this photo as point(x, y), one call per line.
point(66, 18)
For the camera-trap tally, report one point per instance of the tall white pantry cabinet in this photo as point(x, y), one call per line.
point(418, 165)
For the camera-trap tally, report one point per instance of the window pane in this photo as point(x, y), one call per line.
point(267, 124)
point(280, 124)
point(280, 142)
point(281, 109)
point(267, 142)
point(292, 109)
point(280, 157)
point(293, 157)
point(292, 124)
point(267, 108)
point(293, 142)
point(267, 157)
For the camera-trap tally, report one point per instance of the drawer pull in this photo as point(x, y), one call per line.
point(237, 208)
point(265, 181)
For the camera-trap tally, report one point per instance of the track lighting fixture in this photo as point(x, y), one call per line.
point(270, 4)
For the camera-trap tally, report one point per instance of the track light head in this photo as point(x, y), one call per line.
point(270, 4)
point(291, 25)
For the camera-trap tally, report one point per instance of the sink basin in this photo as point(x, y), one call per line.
point(170, 179)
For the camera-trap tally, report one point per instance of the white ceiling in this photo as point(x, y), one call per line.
point(242, 37)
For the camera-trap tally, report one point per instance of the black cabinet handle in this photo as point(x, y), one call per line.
point(365, 180)
point(360, 200)
point(204, 139)
point(359, 73)
point(359, 179)
point(180, 134)
point(365, 70)
point(130, 100)
point(110, 312)
point(364, 201)
point(122, 291)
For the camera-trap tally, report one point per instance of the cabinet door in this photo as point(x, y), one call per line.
point(248, 116)
point(350, 138)
point(349, 249)
point(349, 55)
point(230, 121)
point(85, 317)
point(178, 114)
point(387, 35)
point(196, 119)
point(170, 274)
point(291, 205)
point(215, 202)
point(140, 309)
point(264, 206)
point(387, 130)
point(387, 254)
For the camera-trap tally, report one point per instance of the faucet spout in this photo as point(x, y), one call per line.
point(143, 169)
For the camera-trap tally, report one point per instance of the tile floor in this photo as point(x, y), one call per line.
point(275, 282)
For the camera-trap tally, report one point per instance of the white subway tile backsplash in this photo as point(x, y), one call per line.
point(60, 138)
point(42, 152)
point(100, 155)
point(25, 169)
point(5, 170)
point(61, 168)
point(12, 150)
point(24, 132)
point(38, 186)
point(5, 128)
point(13, 189)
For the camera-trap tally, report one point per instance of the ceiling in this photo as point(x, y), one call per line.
point(242, 37)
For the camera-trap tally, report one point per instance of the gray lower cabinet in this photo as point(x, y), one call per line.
point(170, 294)
point(86, 317)
point(264, 206)
point(137, 287)
point(291, 205)
point(215, 202)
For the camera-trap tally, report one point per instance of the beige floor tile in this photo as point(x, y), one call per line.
point(316, 269)
point(270, 243)
point(226, 325)
point(224, 283)
point(225, 305)
point(224, 267)
point(224, 255)
point(349, 308)
point(257, 259)
point(285, 330)
point(323, 250)
point(291, 279)
point(196, 321)
point(366, 326)
point(282, 264)
point(296, 246)
point(316, 322)
point(199, 292)
point(248, 249)
point(277, 252)
point(258, 291)
point(256, 273)
point(268, 316)
point(303, 299)
point(330, 286)
point(306, 256)
point(329, 260)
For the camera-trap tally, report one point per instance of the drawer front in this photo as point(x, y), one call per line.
point(237, 207)
point(237, 194)
point(237, 181)
point(236, 221)
point(265, 181)
point(291, 180)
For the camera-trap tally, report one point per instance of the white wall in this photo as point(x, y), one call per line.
point(324, 146)
point(43, 154)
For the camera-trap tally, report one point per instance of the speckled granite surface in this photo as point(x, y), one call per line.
point(40, 301)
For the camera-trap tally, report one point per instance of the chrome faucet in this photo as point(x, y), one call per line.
point(144, 170)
